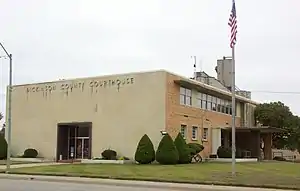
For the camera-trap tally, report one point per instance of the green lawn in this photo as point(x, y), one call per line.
point(266, 174)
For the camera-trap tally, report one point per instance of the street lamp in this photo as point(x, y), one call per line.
point(9, 110)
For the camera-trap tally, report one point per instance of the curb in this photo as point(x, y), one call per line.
point(142, 183)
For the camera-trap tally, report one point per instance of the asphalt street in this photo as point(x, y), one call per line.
point(34, 185)
point(63, 184)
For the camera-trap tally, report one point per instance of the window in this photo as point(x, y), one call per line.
point(227, 105)
point(219, 105)
point(209, 102)
point(209, 107)
point(198, 98)
point(205, 134)
point(185, 96)
point(206, 101)
point(195, 133)
point(203, 104)
point(183, 130)
point(203, 101)
point(214, 104)
point(222, 106)
point(209, 98)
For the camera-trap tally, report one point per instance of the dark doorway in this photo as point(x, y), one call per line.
point(74, 141)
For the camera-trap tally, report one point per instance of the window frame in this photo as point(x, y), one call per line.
point(195, 130)
point(183, 130)
point(185, 96)
point(199, 100)
point(205, 134)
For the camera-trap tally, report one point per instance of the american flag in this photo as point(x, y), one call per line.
point(233, 25)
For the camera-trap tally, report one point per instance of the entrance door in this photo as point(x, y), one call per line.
point(73, 141)
point(82, 147)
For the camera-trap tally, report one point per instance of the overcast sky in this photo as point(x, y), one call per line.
point(52, 39)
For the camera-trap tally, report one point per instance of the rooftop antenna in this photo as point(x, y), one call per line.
point(195, 66)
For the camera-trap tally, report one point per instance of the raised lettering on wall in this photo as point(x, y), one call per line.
point(66, 88)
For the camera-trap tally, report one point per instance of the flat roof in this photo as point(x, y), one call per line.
point(90, 77)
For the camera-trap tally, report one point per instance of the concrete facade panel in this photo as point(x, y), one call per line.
point(122, 108)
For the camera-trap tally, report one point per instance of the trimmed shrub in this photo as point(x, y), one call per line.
point(167, 152)
point(3, 148)
point(279, 158)
point(30, 153)
point(224, 152)
point(145, 153)
point(109, 154)
point(195, 148)
point(184, 152)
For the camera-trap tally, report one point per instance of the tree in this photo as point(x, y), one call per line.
point(293, 138)
point(184, 151)
point(276, 114)
point(167, 152)
point(145, 153)
point(3, 148)
point(2, 131)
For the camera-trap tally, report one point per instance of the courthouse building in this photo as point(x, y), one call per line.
point(80, 118)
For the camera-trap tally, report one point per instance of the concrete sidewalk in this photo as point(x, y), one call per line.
point(141, 184)
point(3, 167)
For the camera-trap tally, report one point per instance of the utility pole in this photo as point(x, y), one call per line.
point(9, 111)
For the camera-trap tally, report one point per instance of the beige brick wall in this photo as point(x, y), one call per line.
point(177, 114)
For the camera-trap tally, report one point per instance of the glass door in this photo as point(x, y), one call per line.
point(79, 148)
point(79, 143)
point(82, 148)
point(85, 148)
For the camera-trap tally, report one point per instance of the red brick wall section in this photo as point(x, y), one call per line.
point(177, 114)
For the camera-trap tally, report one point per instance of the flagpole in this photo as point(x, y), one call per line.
point(233, 110)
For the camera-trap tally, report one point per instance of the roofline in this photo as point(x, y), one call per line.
point(91, 77)
point(209, 87)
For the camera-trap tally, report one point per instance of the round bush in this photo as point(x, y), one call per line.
point(195, 148)
point(224, 152)
point(109, 154)
point(167, 152)
point(145, 153)
point(3, 148)
point(183, 150)
point(30, 153)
